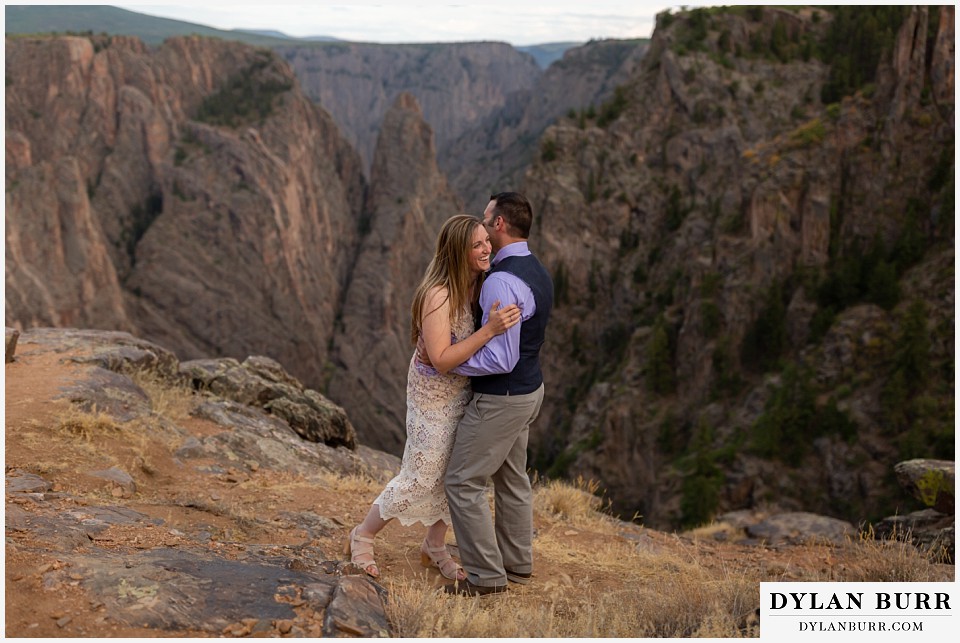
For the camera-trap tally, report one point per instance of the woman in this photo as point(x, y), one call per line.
point(443, 312)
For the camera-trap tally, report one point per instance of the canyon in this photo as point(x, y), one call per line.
point(734, 254)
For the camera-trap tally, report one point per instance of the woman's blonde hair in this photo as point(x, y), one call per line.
point(450, 270)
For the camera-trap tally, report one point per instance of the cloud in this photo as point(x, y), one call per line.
point(418, 21)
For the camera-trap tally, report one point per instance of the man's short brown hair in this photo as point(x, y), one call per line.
point(515, 210)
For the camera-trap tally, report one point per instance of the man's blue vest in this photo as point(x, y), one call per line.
point(526, 377)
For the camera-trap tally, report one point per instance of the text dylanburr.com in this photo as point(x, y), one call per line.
point(848, 611)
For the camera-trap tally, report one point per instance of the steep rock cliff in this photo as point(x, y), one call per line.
point(190, 193)
point(745, 274)
point(457, 85)
point(713, 225)
point(409, 201)
point(492, 155)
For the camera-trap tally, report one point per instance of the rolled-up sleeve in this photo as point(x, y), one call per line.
point(500, 354)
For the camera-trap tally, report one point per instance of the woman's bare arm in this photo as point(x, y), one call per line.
point(436, 331)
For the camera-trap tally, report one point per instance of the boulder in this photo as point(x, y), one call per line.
point(928, 530)
point(122, 480)
point(929, 481)
point(800, 527)
point(758, 527)
point(262, 382)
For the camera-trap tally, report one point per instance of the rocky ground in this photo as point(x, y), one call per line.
point(138, 505)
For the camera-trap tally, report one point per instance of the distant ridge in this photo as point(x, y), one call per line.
point(549, 52)
point(271, 33)
point(39, 19)
point(153, 30)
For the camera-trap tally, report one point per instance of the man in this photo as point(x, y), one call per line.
point(492, 437)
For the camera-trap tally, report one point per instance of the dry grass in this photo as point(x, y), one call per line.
point(357, 485)
point(671, 599)
point(127, 444)
point(575, 503)
point(893, 560)
point(614, 589)
point(593, 575)
point(174, 401)
point(88, 425)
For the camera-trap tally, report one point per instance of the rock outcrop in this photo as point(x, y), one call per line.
point(929, 481)
point(493, 155)
point(754, 289)
point(171, 577)
point(750, 527)
point(932, 529)
point(262, 382)
point(697, 238)
point(146, 192)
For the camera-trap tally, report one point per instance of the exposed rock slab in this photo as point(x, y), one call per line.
point(190, 587)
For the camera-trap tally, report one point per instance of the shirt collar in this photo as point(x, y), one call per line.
point(515, 249)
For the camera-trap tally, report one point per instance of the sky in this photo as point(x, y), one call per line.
point(518, 22)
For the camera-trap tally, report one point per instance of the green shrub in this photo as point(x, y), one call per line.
point(912, 353)
point(702, 482)
point(710, 284)
point(883, 289)
point(810, 133)
point(660, 370)
point(726, 378)
point(548, 150)
point(911, 244)
point(611, 109)
point(943, 171)
point(692, 33)
point(867, 276)
point(766, 338)
point(857, 38)
point(245, 97)
point(639, 274)
point(821, 323)
point(787, 426)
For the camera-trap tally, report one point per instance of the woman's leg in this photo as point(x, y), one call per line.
point(360, 541)
point(436, 534)
point(434, 548)
point(373, 523)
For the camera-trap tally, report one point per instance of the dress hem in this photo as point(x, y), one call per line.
point(409, 522)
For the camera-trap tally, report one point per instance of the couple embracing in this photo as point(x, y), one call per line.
point(474, 386)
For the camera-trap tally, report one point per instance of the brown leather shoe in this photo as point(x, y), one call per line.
point(517, 577)
point(466, 588)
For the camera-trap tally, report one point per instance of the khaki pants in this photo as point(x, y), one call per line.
point(491, 443)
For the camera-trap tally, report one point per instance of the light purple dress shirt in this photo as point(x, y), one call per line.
point(501, 353)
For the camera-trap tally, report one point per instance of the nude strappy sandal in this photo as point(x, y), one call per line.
point(359, 546)
point(440, 558)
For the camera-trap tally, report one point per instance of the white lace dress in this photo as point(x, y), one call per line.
point(435, 404)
